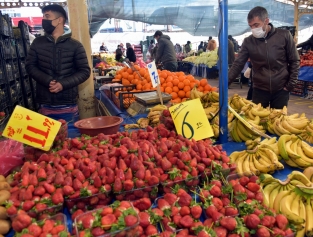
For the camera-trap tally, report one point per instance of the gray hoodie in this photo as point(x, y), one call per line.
point(166, 52)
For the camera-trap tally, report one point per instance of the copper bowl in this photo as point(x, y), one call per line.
point(95, 125)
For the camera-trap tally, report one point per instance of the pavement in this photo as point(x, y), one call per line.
point(296, 104)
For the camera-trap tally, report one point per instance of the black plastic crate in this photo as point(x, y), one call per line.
point(29, 101)
point(14, 94)
point(26, 87)
point(20, 48)
point(123, 99)
point(8, 69)
point(24, 29)
point(4, 25)
point(15, 69)
point(6, 49)
point(115, 89)
point(4, 98)
point(22, 68)
point(2, 74)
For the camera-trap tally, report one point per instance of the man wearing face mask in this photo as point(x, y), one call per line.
point(58, 64)
point(274, 58)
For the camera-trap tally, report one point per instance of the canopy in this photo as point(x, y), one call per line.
point(197, 17)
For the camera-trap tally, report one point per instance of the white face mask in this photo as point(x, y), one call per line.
point(258, 32)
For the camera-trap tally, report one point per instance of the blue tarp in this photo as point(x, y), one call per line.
point(306, 73)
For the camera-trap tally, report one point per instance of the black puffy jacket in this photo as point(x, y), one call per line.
point(64, 61)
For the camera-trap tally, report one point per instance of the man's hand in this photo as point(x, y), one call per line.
point(52, 83)
point(56, 87)
point(285, 89)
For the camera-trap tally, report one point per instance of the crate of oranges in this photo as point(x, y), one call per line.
point(178, 84)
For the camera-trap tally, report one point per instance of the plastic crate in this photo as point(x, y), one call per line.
point(4, 25)
point(2, 75)
point(15, 69)
point(124, 99)
point(26, 88)
point(24, 30)
point(4, 98)
point(8, 71)
point(20, 48)
point(6, 49)
point(14, 94)
point(29, 102)
point(22, 68)
point(115, 89)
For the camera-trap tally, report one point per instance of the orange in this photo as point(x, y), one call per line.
point(162, 80)
point(214, 88)
point(174, 95)
point(164, 85)
point(169, 84)
point(184, 99)
point(200, 88)
point(207, 87)
point(181, 94)
point(163, 74)
point(192, 84)
point(175, 82)
point(187, 94)
point(125, 82)
point(143, 82)
point(137, 67)
point(130, 71)
point(190, 77)
point(175, 89)
point(203, 82)
point(169, 79)
point(142, 72)
point(181, 85)
point(181, 78)
point(118, 76)
point(186, 82)
point(131, 77)
point(181, 74)
point(125, 75)
point(168, 90)
point(187, 88)
point(177, 100)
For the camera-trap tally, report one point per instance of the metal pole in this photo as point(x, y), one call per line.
point(223, 75)
point(78, 20)
point(296, 19)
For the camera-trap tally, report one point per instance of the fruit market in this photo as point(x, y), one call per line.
point(156, 139)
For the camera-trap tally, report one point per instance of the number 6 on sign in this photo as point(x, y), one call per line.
point(190, 120)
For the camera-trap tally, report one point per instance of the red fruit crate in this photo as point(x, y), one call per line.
point(88, 203)
point(135, 194)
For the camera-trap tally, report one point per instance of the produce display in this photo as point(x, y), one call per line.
point(5, 194)
point(208, 58)
point(306, 59)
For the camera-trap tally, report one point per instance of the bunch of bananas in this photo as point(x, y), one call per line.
point(195, 94)
point(295, 152)
point(253, 111)
point(308, 172)
point(286, 198)
point(307, 134)
point(210, 97)
point(215, 123)
point(237, 102)
point(155, 113)
point(212, 110)
point(240, 132)
point(261, 159)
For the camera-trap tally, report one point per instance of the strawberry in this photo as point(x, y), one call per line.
point(252, 221)
point(57, 198)
point(263, 232)
point(39, 191)
point(282, 222)
point(163, 204)
point(21, 221)
point(196, 211)
point(139, 183)
point(49, 188)
point(215, 191)
point(238, 188)
point(253, 187)
point(97, 182)
point(244, 180)
point(231, 211)
point(184, 198)
point(77, 185)
point(87, 221)
point(117, 186)
point(259, 197)
point(220, 231)
point(153, 180)
point(76, 213)
point(185, 210)
point(107, 221)
point(25, 180)
point(40, 207)
point(254, 178)
point(59, 179)
point(268, 221)
point(33, 180)
point(143, 204)
point(130, 220)
point(276, 232)
point(203, 233)
point(144, 218)
point(57, 229)
point(11, 210)
point(217, 203)
point(41, 175)
point(68, 190)
point(186, 221)
point(106, 211)
point(27, 205)
point(34, 230)
point(166, 164)
point(170, 198)
point(97, 231)
point(128, 185)
point(176, 219)
point(151, 230)
point(229, 223)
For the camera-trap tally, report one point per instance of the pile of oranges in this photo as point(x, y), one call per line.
point(177, 84)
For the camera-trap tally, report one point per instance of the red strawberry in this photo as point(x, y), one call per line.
point(27, 205)
point(87, 221)
point(57, 229)
point(143, 204)
point(21, 221)
point(267, 221)
point(57, 198)
point(76, 213)
point(11, 210)
point(153, 180)
point(128, 185)
point(229, 223)
point(97, 182)
point(254, 178)
point(151, 230)
point(39, 191)
point(185, 210)
point(77, 185)
point(215, 191)
point(34, 230)
point(49, 188)
point(276, 232)
point(48, 226)
point(139, 183)
point(184, 198)
point(186, 221)
point(166, 164)
point(117, 186)
point(244, 180)
point(98, 231)
point(130, 220)
point(263, 232)
point(106, 211)
point(163, 204)
point(41, 175)
point(238, 189)
point(282, 221)
point(170, 198)
point(259, 197)
point(40, 207)
point(253, 187)
point(144, 218)
point(252, 221)
point(231, 211)
point(33, 180)
point(107, 221)
point(68, 190)
point(203, 233)
point(196, 211)
point(220, 231)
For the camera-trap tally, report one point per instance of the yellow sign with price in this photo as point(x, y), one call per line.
point(31, 128)
point(190, 120)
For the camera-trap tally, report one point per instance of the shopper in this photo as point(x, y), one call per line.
point(165, 53)
point(211, 45)
point(178, 48)
point(235, 43)
point(119, 54)
point(308, 45)
point(200, 47)
point(151, 47)
point(103, 48)
point(231, 53)
point(274, 58)
point(58, 63)
point(130, 53)
point(187, 47)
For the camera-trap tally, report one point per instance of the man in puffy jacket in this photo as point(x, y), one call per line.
point(58, 64)
point(165, 53)
point(274, 58)
point(307, 44)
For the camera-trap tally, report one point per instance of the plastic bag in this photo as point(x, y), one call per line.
point(12, 154)
point(247, 73)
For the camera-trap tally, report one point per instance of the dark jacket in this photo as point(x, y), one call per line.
point(165, 52)
point(103, 48)
point(64, 61)
point(275, 61)
point(231, 52)
point(119, 55)
point(187, 48)
point(307, 44)
point(130, 54)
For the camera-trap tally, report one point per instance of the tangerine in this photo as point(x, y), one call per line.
point(186, 82)
point(175, 82)
point(130, 71)
point(181, 94)
point(162, 88)
point(203, 82)
point(200, 88)
point(175, 89)
point(168, 90)
point(188, 94)
point(181, 85)
point(169, 84)
point(187, 88)
point(207, 87)
point(174, 95)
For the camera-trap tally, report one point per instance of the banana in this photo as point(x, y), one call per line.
point(242, 131)
point(261, 113)
point(303, 156)
point(252, 167)
point(307, 149)
point(308, 172)
point(294, 207)
point(130, 126)
point(267, 192)
point(270, 141)
point(278, 127)
point(235, 155)
point(291, 154)
point(233, 132)
point(282, 146)
point(246, 165)
point(267, 179)
point(295, 182)
point(159, 108)
point(299, 123)
point(270, 128)
point(285, 209)
point(309, 218)
point(304, 189)
point(297, 175)
point(239, 163)
point(290, 128)
point(278, 196)
point(261, 167)
point(291, 163)
point(302, 213)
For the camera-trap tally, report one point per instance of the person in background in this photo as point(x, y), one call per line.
point(200, 46)
point(231, 53)
point(130, 53)
point(151, 47)
point(119, 54)
point(165, 53)
point(58, 63)
point(122, 47)
point(235, 43)
point(274, 58)
point(178, 48)
point(205, 45)
point(95, 60)
point(307, 45)
point(248, 74)
point(187, 47)
point(103, 48)
point(155, 49)
point(211, 45)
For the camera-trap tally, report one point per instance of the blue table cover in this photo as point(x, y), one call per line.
point(306, 73)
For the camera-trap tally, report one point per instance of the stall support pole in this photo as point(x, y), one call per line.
point(296, 19)
point(78, 20)
point(223, 75)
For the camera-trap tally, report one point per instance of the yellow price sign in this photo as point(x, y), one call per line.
point(31, 128)
point(190, 120)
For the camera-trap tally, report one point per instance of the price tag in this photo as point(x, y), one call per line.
point(153, 72)
point(31, 128)
point(190, 120)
